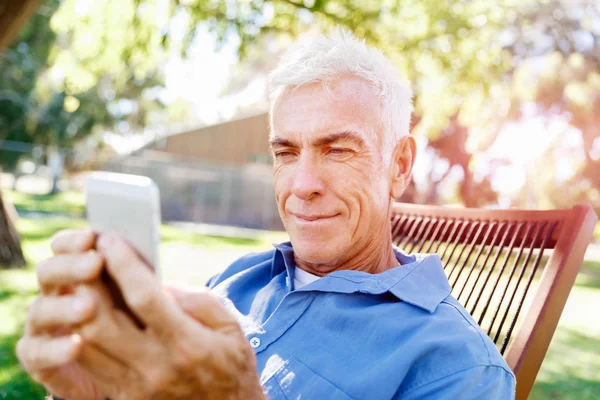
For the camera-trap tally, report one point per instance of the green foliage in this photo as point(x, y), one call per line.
point(448, 49)
point(20, 66)
point(68, 74)
point(84, 58)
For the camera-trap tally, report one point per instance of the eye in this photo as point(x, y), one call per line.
point(340, 152)
point(284, 154)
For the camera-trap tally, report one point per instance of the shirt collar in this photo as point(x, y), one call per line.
point(283, 260)
point(419, 279)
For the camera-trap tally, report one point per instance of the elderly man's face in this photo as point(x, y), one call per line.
point(331, 183)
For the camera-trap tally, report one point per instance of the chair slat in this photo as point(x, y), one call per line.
point(548, 228)
point(507, 254)
point(398, 222)
point(408, 230)
point(471, 239)
point(410, 233)
point(475, 262)
point(421, 236)
point(446, 224)
point(502, 227)
point(455, 226)
point(455, 242)
point(513, 269)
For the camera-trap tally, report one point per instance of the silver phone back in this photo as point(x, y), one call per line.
point(128, 205)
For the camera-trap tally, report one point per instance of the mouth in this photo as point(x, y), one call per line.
point(313, 217)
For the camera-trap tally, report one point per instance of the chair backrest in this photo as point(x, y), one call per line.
point(511, 269)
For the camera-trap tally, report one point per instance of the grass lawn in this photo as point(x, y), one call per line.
point(571, 369)
point(67, 202)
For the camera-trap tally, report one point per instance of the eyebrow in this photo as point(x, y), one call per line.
point(281, 142)
point(344, 136)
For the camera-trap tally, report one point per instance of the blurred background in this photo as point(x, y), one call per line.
point(507, 114)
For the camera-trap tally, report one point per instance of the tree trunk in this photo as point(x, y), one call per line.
point(56, 162)
point(13, 15)
point(11, 255)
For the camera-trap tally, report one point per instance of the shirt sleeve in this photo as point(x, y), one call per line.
point(480, 382)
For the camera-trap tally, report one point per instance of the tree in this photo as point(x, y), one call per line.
point(102, 61)
point(557, 68)
point(91, 63)
point(12, 16)
point(11, 254)
point(20, 66)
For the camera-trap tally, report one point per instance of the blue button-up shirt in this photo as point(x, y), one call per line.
point(398, 334)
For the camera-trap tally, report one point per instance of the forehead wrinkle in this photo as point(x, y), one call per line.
point(354, 106)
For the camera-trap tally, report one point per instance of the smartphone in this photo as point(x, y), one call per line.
point(130, 206)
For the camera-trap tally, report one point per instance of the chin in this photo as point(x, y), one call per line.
point(315, 251)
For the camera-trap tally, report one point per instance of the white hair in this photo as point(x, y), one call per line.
point(341, 53)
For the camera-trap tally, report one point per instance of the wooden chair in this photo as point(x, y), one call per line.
point(511, 269)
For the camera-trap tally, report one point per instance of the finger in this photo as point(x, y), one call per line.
point(69, 269)
point(40, 352)
point(68, 381)
point(204, 307)
point(73, 241)
point(141, 288)
point(105, 370)
point(110, 329)
point(114, 334)
point(49, 313)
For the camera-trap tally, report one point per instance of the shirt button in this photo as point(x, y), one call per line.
point(254, 342)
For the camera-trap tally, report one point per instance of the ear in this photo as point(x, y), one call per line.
point(403, 160)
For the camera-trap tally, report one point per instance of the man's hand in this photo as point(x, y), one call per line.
point(191, 346)
point(48, 350)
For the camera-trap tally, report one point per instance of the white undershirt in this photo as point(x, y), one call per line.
point(303, 278)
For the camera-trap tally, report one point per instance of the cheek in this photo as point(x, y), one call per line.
point(365, 192)
point(282, 184)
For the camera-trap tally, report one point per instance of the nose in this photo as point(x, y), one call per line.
point(308, 178)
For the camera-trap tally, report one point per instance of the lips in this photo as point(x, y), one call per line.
point(313, 217)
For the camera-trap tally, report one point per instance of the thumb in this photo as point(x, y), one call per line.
point(203, 306)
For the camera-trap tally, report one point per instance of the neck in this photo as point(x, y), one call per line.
point(367, 258)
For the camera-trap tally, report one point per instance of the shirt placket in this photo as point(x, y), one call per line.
point(289, 310)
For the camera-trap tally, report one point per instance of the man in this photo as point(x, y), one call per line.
point(337, 313)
